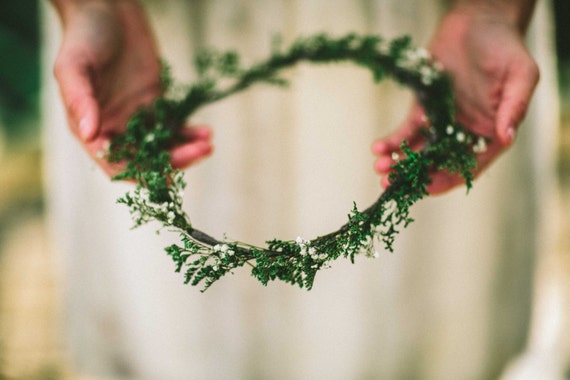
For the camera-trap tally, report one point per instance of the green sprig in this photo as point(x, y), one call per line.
point(203, 259)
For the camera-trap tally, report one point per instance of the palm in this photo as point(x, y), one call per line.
point(108, 67)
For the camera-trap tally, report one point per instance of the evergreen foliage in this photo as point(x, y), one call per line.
point(204, 259)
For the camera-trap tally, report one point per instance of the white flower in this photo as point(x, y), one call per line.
point(395, 156)
point(449, 130)
point(427, 75)
point(170, 216)
point(423, 53)
point(149, 137)
point(460, 136)
point(144, 194)
point(481, 146)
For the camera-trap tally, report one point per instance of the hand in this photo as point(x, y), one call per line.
point(494, 78)
point(107, 68)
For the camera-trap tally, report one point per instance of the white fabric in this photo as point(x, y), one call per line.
point(453, 301)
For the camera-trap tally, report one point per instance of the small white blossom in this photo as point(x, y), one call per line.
point(136, 215)
point(149, 137)
point(395, 156)
point(427, 75)
point(423, 53)
point(460, 136)
point(170, 216)
point(480, 146)
point(449, 130)
point(144, 194)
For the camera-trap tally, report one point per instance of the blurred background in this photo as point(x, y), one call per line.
point(30, 331)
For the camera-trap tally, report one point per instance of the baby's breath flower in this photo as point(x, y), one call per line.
point(480, 146)
point(460, 136)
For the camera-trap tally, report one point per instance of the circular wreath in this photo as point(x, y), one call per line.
point(205, 259)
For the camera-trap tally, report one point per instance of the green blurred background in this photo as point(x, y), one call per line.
point(19, 69)
point(30, 346)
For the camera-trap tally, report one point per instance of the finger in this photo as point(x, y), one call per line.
point(408, 130)
point(190, 153)
point(517, 92)
point(77, 93)
point(385, 161)
point(98, 149)
point(197, 132)
point(383, 164)
point(384, 182)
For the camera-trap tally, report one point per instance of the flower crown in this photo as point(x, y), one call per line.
point(204, 259)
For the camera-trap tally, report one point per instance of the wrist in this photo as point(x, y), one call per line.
point(68, 9)
point(515, 13)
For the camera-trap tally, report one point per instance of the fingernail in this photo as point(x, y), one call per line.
point(511, 134)
point(84, 129)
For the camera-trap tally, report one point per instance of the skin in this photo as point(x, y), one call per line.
point(481, 45)
point(107, 68)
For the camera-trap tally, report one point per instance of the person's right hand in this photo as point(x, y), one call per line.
point(107, 68)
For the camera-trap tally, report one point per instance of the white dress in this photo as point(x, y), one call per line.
point(452, 302)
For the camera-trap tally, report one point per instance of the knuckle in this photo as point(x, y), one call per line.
point(59, 68)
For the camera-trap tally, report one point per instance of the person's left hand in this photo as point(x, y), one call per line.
point(494, 78)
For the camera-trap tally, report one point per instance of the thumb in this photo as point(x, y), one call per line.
point(517, 92)
point(81, 106)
